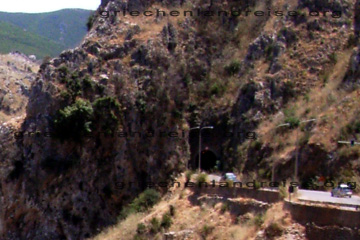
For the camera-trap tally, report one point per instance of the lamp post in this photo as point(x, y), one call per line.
point(273, 165)
point(296, 146)
point(201, 128)
point(352, 142)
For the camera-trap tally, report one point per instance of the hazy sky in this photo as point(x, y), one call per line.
point(35, 6)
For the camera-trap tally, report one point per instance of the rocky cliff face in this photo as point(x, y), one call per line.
point(357, 19)
point(17, 72)
point(352, 76)
point(67, 186)
point(351, 79)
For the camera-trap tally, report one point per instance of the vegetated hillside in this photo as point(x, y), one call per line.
point(54, 31)
point(17, 72)
point(14, 38)
point(164, 74)
point(183, 214)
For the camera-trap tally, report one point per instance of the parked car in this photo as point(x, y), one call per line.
point(230, 176)
point(343, 190)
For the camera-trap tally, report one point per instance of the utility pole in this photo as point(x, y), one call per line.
point(297, 146)
point(273, 165)
point(201, 128)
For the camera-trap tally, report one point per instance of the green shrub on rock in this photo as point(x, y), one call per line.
point(74, 121)
point(107, 113)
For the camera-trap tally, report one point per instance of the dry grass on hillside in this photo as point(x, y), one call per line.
point(206, 221)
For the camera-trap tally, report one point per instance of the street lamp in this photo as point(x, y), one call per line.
point(201, 128)
point(352, 142)
point(297, 147)
point(273, 165)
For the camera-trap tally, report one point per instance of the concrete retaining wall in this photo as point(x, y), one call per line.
point(260, 195)
point(323, 216)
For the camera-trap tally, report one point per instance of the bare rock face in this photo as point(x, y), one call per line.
point(95, 133)
point(138, 5)
point(169, 35)
point(352, 77)
point(357, 19)
point(333, 232)
point(258, 48)
point(184, 234)
point(17, 72)
point(323, 5)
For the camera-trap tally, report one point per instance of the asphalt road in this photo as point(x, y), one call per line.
point(210, 177)
point(311, 195)
point(325, 197)
point(213, 177)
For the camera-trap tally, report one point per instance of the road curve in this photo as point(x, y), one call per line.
point(325, 197)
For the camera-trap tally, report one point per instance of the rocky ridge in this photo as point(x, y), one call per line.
point(17, 72)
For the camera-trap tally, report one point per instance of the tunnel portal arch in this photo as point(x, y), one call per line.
point(208, 160)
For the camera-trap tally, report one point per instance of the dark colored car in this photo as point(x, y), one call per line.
point(342, 190)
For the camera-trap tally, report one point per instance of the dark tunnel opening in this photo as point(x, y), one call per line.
point(208, 160)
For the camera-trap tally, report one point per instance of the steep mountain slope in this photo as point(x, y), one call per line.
point(62, 29)
point(17, 72)
point(115, 105)
point(13, 38)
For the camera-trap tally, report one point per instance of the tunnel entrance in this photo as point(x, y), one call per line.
point(208, 160)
